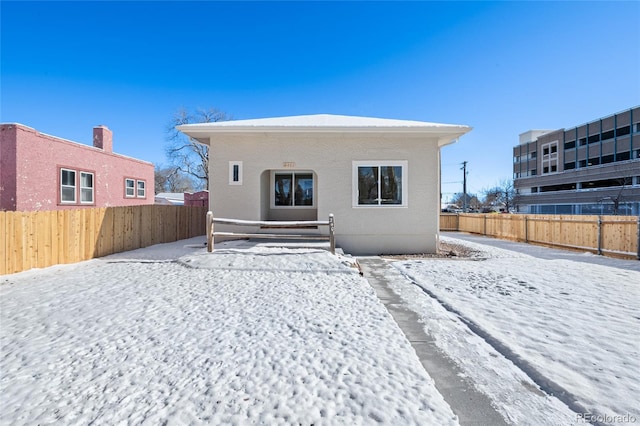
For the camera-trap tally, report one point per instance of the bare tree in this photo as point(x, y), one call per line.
point(503, 194)
point(170, 179)
point(624, 181)
point(185, 154)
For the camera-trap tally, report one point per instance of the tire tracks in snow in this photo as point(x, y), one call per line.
point(545, 384)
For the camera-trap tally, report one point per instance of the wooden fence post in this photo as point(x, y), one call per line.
point(526, 229)
point(210, 241)
point(638, 235)
point(332, 236)
point(599, 235)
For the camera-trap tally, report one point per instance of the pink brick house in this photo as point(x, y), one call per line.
point(43, 172)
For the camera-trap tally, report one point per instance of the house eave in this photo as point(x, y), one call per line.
point(445, 134)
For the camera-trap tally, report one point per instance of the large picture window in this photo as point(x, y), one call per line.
point(380, 183)
point(293, 189)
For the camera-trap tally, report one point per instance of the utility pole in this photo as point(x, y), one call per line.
point(464, 186)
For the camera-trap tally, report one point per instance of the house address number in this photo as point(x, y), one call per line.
point(289, 164)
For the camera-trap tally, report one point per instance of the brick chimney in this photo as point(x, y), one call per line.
point(103, 138)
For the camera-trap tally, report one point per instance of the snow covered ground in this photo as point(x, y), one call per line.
point(573, 327)
point(266, 335)
point(173, 335)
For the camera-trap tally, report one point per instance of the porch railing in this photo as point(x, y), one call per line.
point(212, 233)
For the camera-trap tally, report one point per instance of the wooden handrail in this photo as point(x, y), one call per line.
point(211, 233)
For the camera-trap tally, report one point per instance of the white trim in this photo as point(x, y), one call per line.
point(126, 188)
point(74, 186)
point(143, 189)
point(232, 166)
point(272, 190)
point(394, 163)
point(550, 159)
point(92, 187)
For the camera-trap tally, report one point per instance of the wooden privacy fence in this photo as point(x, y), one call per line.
point(609, 235)
point(212, 233)
point(44, 238)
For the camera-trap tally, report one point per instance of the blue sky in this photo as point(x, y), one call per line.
point(500, 67)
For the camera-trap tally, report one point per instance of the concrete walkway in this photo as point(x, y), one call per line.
point(471, 406)
point(548, 253)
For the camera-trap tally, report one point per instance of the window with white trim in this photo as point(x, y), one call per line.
point(76, 186)
point(550, 157)
point(292, 189)
point(67, 186)
point(142, 192)
point(86, 188)
point(235, 172)
point(381, 183)
point(129, 187)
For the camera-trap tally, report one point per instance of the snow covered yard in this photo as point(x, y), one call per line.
point(171, 334)
point(573, 327)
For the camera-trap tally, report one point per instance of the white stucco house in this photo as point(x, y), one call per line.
point(379, 177)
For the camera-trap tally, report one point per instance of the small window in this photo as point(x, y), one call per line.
point(67, 186)
point(141, 189)
point(623, 156)
point(235, 172)
point(129, 188)
point(382, 184)
point(545, 151)
point(623, 131)
point(86, 188)
point(554, 148)
point(608, 135)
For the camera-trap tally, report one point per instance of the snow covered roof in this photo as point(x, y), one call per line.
point(327, 123)
point(173, 198)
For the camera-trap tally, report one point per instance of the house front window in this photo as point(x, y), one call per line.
point(76, 186)
point(141, 189)
point(86, 188)
point(293, 189)
point(67, 186)
point(380, 183)
point(129, 188)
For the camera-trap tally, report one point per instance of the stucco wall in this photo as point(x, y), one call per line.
point(359, 230)
point(7, 168)
point(38, 158)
